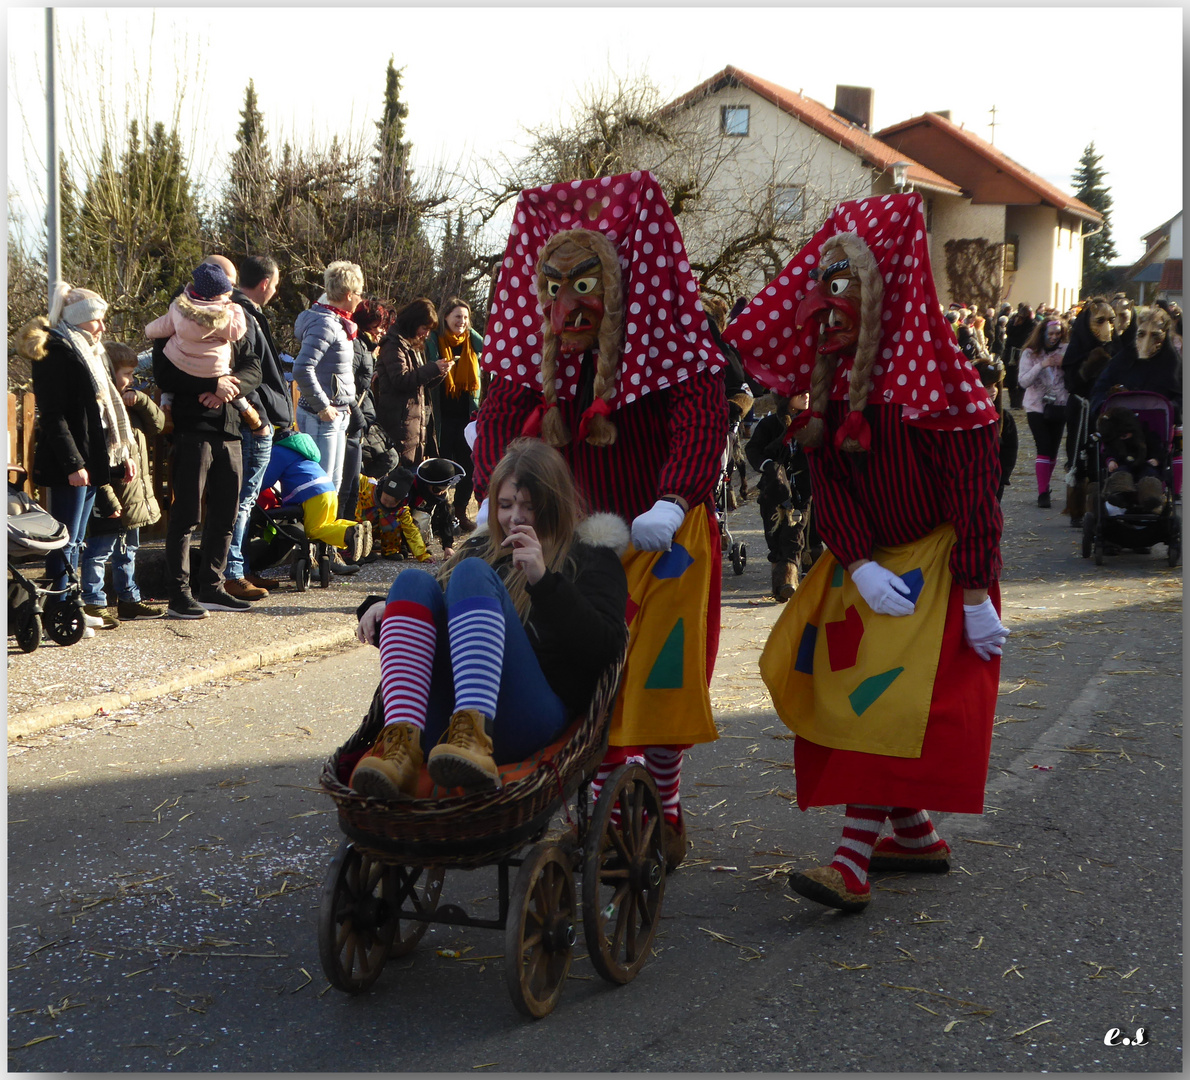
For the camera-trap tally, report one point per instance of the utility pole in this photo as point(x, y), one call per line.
point(992, 125)
point(53, 215)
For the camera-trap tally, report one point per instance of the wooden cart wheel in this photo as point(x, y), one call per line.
point(540, 934)
point(418, 887)
point(623, 874)
point(29, 635)
point(359, 919)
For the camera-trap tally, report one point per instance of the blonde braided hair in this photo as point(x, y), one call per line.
point(823, 376)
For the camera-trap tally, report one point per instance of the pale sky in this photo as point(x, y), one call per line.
point(474, 78)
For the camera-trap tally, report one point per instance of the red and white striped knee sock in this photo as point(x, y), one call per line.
point(612, 760)
point(854, 852)
point(665, 767)
point(912, 829)
point(408, 637)
point(1045, 469)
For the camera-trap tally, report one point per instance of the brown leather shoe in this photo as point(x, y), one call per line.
point(262, 583)
point(825, 885)
point(391, 768)
point(673, 839)
point(242, 589)
point(464, 756)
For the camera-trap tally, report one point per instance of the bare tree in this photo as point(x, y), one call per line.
point(975, 271)
point(735, 209)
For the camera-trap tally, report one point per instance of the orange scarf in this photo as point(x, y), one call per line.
point(463, 378)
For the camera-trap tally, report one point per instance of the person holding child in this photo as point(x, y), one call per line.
point(118, 538)
point(492, 660)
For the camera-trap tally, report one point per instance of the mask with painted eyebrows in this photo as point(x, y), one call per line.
point(571, 285)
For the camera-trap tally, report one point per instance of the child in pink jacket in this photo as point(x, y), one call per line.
point(201, 324)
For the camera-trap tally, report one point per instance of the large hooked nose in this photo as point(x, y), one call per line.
point(812, 305)
point(564, 303)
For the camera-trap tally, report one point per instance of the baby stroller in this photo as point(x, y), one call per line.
point(733, 549)
point(1128, 527)
point(276, 532)
point(383, 885)
point(32, 534)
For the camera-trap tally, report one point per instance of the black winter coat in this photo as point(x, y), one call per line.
point(69, 426)
point(271, 398)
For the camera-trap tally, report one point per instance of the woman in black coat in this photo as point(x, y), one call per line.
point(84, 438)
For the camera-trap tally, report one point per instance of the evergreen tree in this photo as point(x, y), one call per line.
point(392, 150)
point(1098, 250)
point(249, 179)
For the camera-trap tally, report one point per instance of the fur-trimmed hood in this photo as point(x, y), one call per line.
point(209, 314)
point(598, 530)
point(605, 530)
point(33, 338)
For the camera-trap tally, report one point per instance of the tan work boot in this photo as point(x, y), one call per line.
point(391, 768)
point(464, 756)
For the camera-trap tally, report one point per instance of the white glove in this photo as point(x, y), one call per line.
point(885, 593)
point(985, 632)
point(654, 530)
point(481, 515)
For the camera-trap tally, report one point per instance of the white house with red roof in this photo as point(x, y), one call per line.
point(802, 158)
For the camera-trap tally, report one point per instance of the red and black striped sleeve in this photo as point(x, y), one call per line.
point(697, 437)
point(505, 408)
point(843, 523)
point(966, 467)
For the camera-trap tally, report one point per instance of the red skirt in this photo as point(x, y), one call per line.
point(951, 773)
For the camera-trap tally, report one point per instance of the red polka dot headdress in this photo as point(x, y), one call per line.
point(917, 363)
point(666, 336)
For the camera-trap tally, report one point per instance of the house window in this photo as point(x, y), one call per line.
point(735, 119)
point(1011, 245)
point(789, 203)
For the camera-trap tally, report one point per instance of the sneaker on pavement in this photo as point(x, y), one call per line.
point(391, 768)
point(242, 589)
point(100, 617)
point(464, 756)
point(353, 540)
point(185, 607)
point(88, 631)
point(136, 609)
point(338, 566)
point(221, 600)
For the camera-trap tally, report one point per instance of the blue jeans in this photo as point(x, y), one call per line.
point(529, 715)
point(72, 506)
point(256, 451)
point(121, 548)
point(331, 437)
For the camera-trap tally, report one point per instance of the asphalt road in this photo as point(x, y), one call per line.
point(165, 866)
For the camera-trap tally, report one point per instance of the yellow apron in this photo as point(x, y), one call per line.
point(664, 698)
point(846, 678)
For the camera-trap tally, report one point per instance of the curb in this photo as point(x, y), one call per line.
point(48, 716)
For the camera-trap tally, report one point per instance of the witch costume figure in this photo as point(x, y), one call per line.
point(598, 344)
point(886, 662)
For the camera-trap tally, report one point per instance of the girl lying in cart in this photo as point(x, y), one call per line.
point(491, 660)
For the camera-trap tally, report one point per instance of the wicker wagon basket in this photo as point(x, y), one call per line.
point(475, 829)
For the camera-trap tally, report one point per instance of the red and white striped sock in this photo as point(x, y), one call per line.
point(408, 636)
point(665, 767)
point(1044, 467)
point(912, 829)
point(612, 760)
point(853, 854)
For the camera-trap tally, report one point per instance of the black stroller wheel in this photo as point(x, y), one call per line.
point(64, 622)
point(29, 635)
point(324, 568)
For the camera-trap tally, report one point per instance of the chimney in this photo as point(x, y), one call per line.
point(854, 103)
point(944, 113)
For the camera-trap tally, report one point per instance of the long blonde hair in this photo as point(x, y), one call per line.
point(557, 511)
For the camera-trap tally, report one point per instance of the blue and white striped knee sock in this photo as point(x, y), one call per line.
point(476, 627)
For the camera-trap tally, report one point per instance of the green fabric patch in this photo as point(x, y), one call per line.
point(870, 689)
point(837, 578)
point(667, 668)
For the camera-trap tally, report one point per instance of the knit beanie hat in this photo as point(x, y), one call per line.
point(395, 484)
point(83, 306)
point(210, 281)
